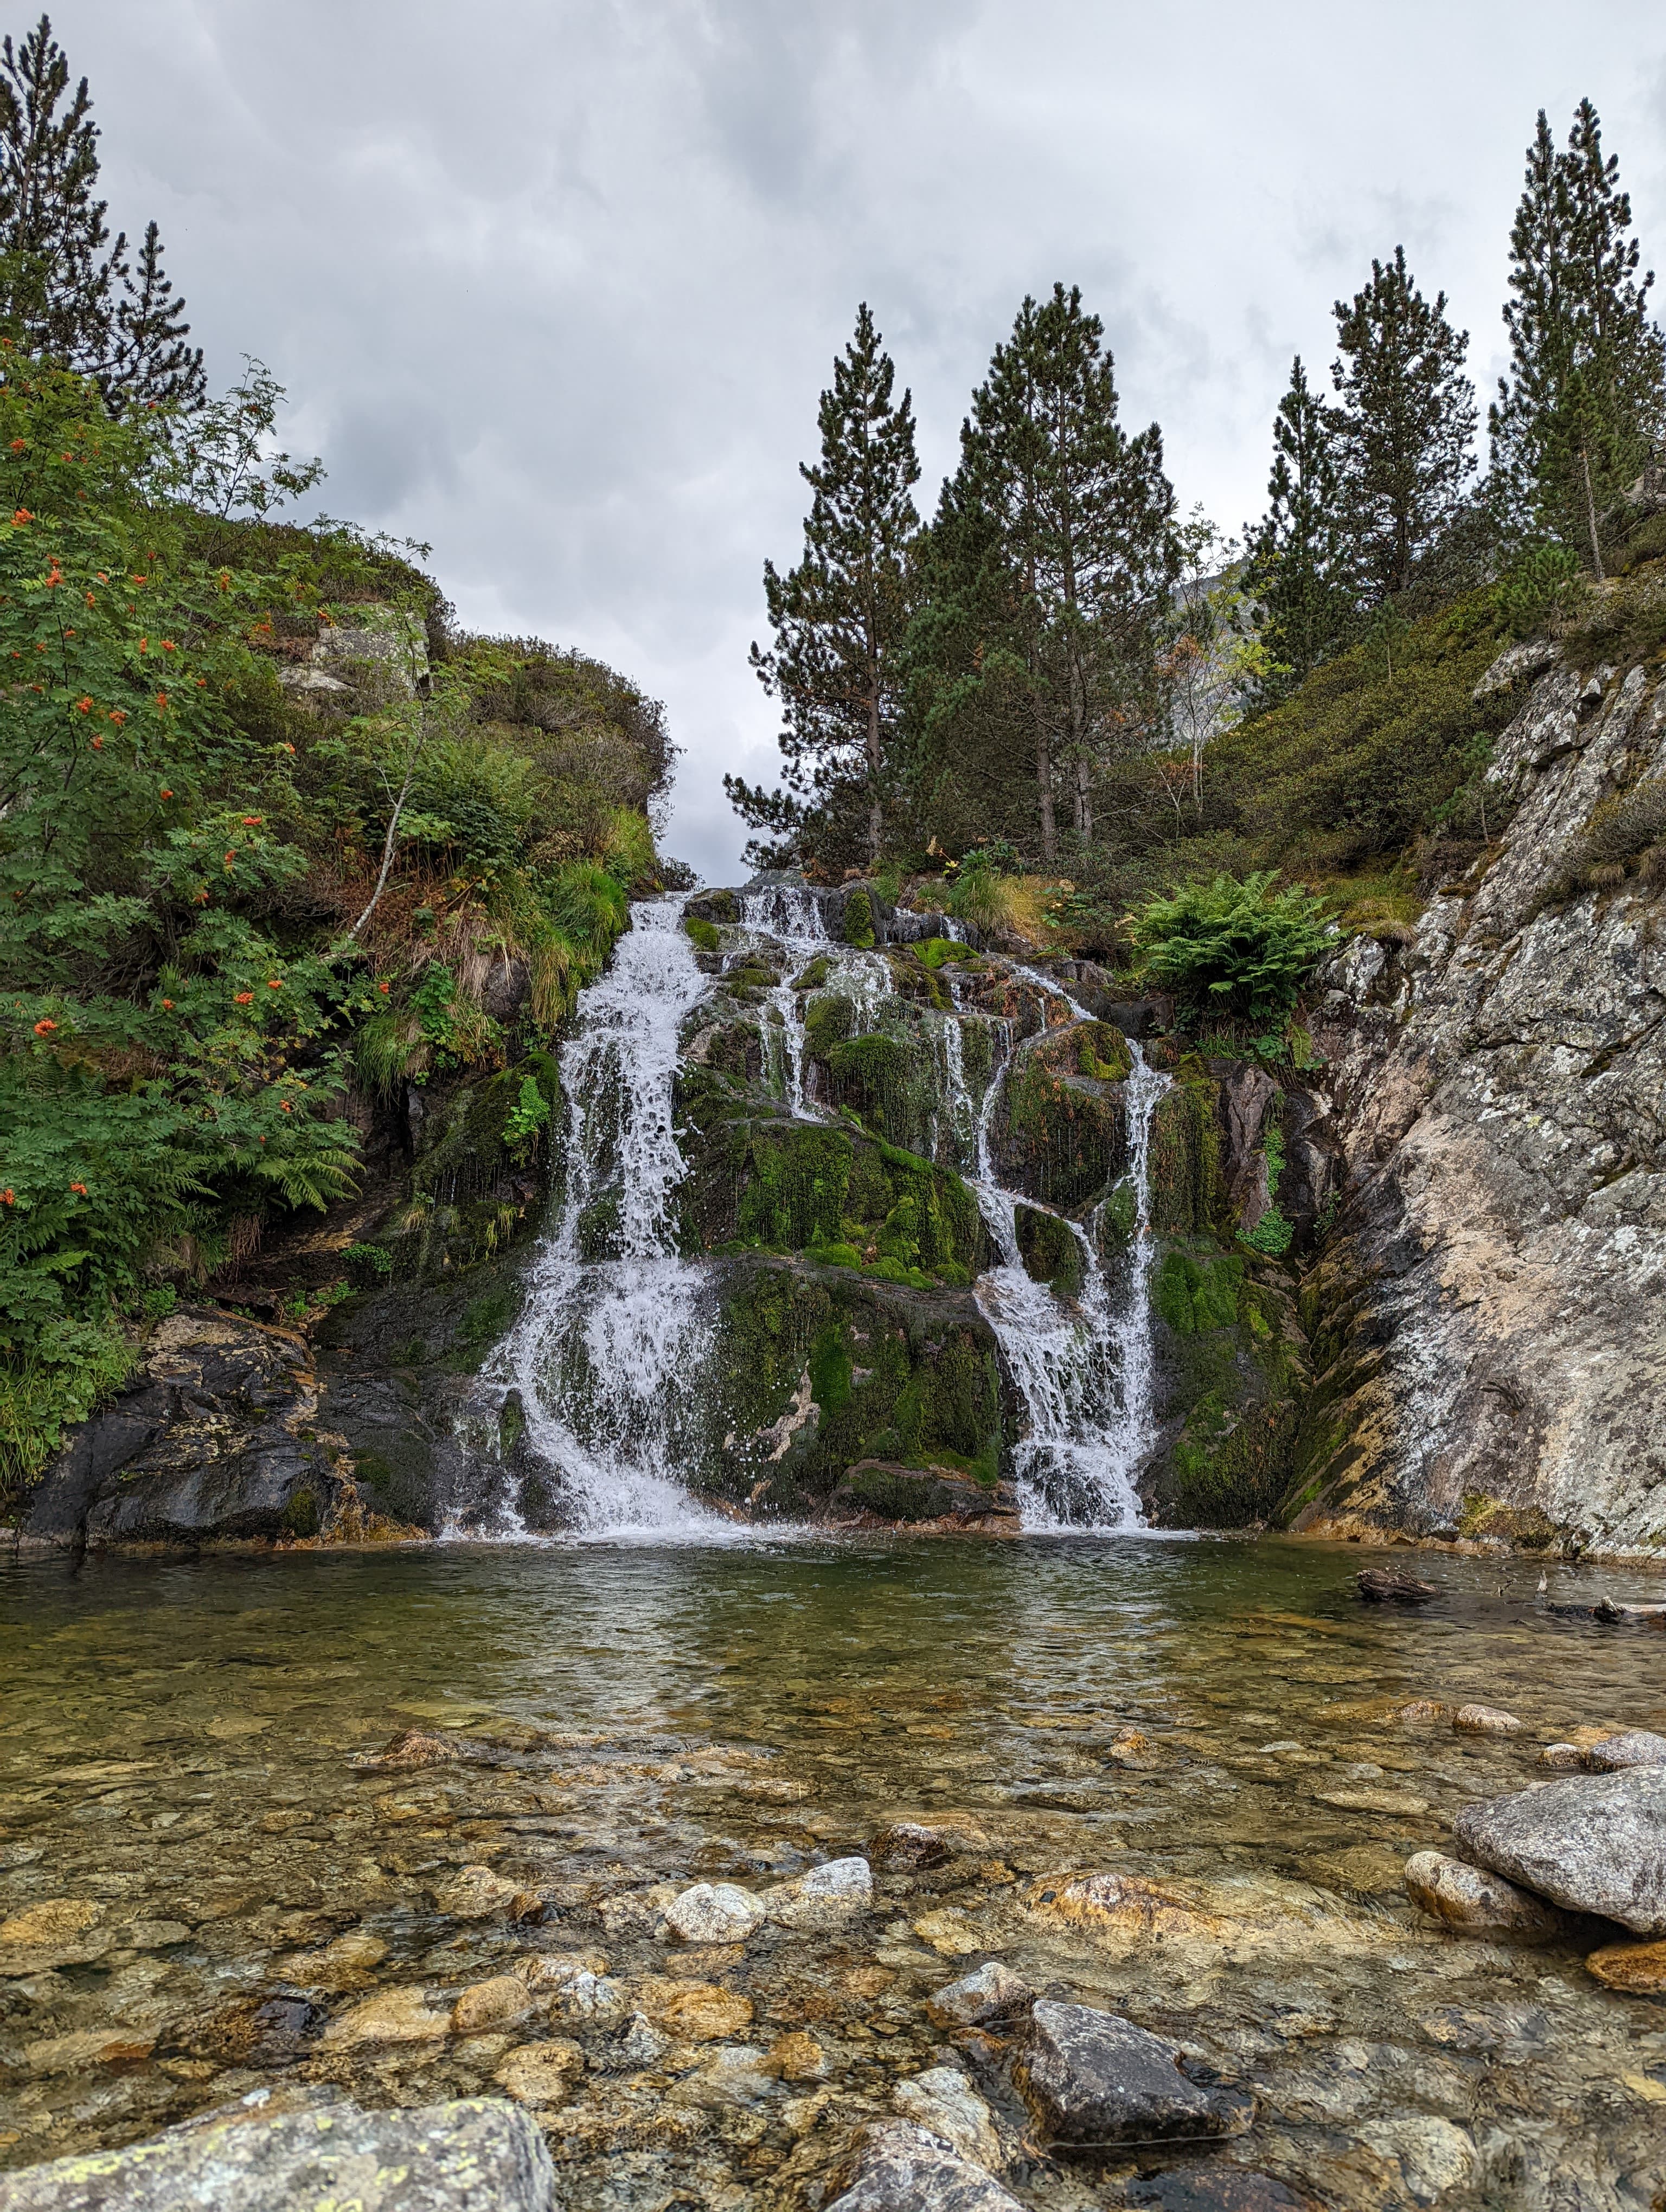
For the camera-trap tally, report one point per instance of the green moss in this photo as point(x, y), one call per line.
point(830, 1369)
point(1049, 1251)
point(934, 950)
point(1188, 1192)
point(1195, 1291)
point(300, 1516)
point(827, 1022)
point(834, 1255)
point(812, 977)
point(794, 1193)
point(858, 919)
point(704, 934)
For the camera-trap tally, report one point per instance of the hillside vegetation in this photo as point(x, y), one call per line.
point(276, 843)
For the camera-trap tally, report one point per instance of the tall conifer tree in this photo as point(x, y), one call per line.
point(839, 617)
point(1406, 421)
point(1585, 402)
point(67, 289)
point(1081, 522)
point(1301, 570)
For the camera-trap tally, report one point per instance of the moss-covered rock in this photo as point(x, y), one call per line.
point(817, 1369)
point(1049, 1250)
point(858, 918)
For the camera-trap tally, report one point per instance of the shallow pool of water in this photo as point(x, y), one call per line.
point(1216, 1717)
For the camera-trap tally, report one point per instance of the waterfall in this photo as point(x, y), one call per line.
point(1084, 1377)
point(607, 1351)
point(614, 1340)
point(793, 916)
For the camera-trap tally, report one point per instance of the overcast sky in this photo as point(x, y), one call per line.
point(554, 287)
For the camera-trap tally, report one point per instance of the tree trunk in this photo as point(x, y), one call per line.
point(1084, 803)
point(1591, 513)
point(875, 821)
point(1049, 834)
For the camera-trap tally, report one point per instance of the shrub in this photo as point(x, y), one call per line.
point(1626, 836)
point(1538, 586)
point(368, 1265)
point(999, 905)
point(1230, 947)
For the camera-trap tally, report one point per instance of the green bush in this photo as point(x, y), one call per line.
point(1229, 947)
point(369, 1264)
point(1535, 587)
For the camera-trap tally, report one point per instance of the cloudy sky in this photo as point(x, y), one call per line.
point(554, 283)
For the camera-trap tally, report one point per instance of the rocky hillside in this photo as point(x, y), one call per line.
point(1488, 1324)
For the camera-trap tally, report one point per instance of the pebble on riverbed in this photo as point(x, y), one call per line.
point(1637, 1969)
point(899, 2166)
point(992, 1993)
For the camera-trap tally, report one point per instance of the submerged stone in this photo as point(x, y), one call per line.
point(829, 1896)
point(1213, 2189)
point(1594, 1845)
point(1093, 2079)
point(478, 2154)
point(944, 2101)
point(1639, 1969)
point(1477, 1903)
point(536, 2073)
point(991, 1991)
point(715, 1912)
point(899, 2166)
point(395, 2015)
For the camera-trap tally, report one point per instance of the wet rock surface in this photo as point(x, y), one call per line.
point(1466, 1897)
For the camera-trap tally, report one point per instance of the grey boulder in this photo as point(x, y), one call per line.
point(1636, 1747)
point(479, 2155)
point(1593, 1844)
point(900, 2167)
point(1091, 2078)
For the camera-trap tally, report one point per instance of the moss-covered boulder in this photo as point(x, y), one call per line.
point(1050, 1250)
point(817, 1369)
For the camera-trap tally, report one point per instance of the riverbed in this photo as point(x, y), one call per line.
point(1222, 1720)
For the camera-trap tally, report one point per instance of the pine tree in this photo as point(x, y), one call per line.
point(1406, 421)
point(1301, 570)
point(1584, 403)
point(67, 290)
point(839, 617)
point(1083, 530)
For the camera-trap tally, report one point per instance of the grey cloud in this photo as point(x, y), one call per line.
point(555, 286)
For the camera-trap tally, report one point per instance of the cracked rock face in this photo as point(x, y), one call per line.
point(1488, 1328)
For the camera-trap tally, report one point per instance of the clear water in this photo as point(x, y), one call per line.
point(175, 1758)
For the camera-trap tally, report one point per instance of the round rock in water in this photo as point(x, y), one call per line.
point(1091, 2078)
point(1486, 1720)
point(827, 1897)
point(715, 1912)
point(1475, 1902)
point(1636, 1747)
point(1592, 1844)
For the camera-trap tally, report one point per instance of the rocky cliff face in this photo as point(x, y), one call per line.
point(1489, 1325)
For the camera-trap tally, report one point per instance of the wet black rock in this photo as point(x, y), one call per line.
point(216, 1443)
point(478, 2154)
point(1594, 1843)
point(900, 2167)
point(1091, 2079)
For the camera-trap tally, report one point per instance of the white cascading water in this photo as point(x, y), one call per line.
point(608, 1354)
point(606, 1351)
point(793, 917)
point(1084, 1374)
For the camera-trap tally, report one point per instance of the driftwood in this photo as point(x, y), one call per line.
point(1609, 1609)
point(1382, 1586)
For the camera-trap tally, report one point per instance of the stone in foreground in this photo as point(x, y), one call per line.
point(1476, 1903)
point(1215, 2189)
point(1595, 1845)
point(1091, 2078)
point(944, 2103)
point(993, 1991)
point(827, 1897)
point(478, 2154)
point(1637, 1970)
point(899, 2167)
